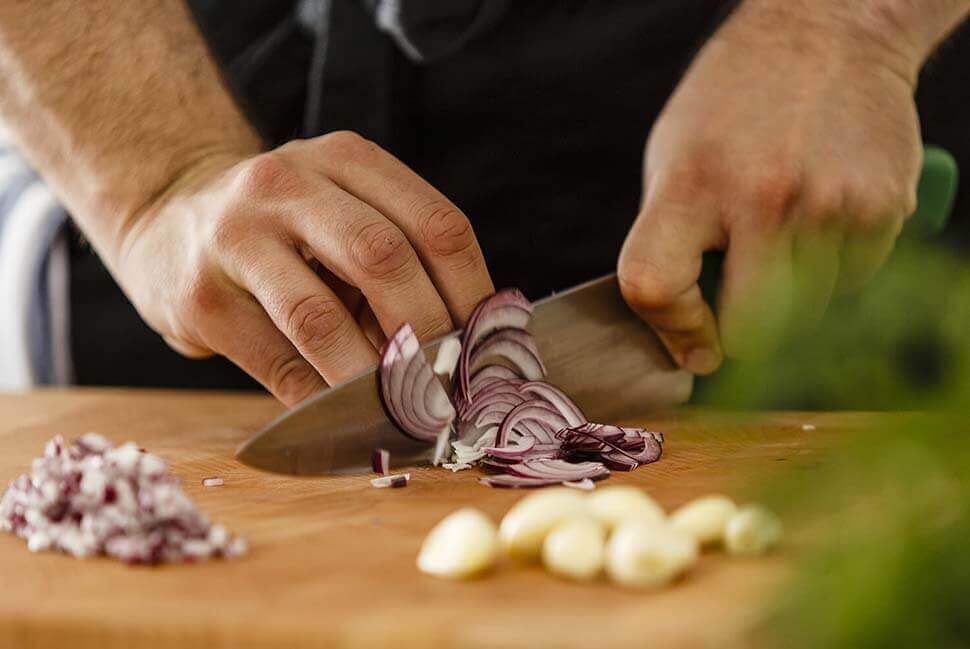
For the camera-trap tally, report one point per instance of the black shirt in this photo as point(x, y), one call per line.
point(534, 127)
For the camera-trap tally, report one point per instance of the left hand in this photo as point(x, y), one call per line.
point(794, 145)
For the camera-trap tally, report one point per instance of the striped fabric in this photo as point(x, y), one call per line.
point(34, 289)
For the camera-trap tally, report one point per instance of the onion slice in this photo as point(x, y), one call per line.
point(410, 391)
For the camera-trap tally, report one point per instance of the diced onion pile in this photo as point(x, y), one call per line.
point(90, 498)
point(501, 415)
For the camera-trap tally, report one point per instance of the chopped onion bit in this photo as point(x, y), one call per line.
point(90, 498)
point(447, 359)
point(213, 481)
point(381, 461)
point(392, 481)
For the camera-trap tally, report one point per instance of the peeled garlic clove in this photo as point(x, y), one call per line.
point(463, 544)
point(613, 505)
point(645, 554)
point(526, 525)
point(704, 518)
point(575, 549)
point(753, 530)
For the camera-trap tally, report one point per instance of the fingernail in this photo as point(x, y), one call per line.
point(702, 360)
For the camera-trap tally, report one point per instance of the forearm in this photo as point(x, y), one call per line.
point(111, 100)
point(900, 33)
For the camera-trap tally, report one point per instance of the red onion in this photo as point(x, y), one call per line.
point(213, 481)
point(542, 472)
point(507, 308)
point(514, 346)
point(381, 461)
point(91, 498)
point(511, 422)
point(410, 391)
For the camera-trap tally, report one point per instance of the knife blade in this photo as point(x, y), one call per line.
point(594, 347)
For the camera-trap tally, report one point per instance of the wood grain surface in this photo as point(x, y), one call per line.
point(332, 559)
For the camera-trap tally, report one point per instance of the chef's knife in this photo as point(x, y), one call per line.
point(592, 344)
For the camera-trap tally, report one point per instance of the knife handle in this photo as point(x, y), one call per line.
point(935, 194)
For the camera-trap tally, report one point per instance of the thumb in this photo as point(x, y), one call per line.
point(658, 270)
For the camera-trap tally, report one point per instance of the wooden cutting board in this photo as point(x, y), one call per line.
point(332, 559)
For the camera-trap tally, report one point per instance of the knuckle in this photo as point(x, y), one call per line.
point(269, 175)
point(291, 379)
point(446, 230)
point(877, 210)
point(202, 297)
point(825, 201)
point(316, 324)
point(345, 144)
point(643, 286)
point(229, 231)
point(773, 197)
point(382, 251)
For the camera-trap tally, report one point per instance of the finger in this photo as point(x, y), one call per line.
point(658, 270)
point(307, 312)
point(366, 250)
point(864, 253)
point(441, 234)
point(371, 327)
point(815, 271)
point(188, 349)
point(755, 299)
point(249, 339)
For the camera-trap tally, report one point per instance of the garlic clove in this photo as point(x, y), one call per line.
point(646, 554)
point(752, 531)
point(575, 549)
point(462, 545)
point(613, 505)
point(525, 526)
point(704, 518)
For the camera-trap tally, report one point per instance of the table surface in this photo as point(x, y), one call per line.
point(331, 561)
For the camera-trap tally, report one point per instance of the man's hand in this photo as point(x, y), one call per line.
point(291, 262)
point(793, 144)
point(219, 264)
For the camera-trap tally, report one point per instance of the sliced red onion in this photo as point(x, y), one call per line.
point(511, 422)
point(391, 481)
point(536, 410)
point(508, 308)
point(381, 461)
point(441, 449)
point(411, 393)
point(622, 449)
point(515, 451)
point(487, 375)
point(574, 416)
point(542, 472)
point(496, 402)
point(514, 346)
point(447, 358)
point(213, 481)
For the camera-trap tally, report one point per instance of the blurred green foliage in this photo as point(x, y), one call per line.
point(889, 510)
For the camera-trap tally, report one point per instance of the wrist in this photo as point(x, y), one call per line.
point(136, 203)
point(894, 34)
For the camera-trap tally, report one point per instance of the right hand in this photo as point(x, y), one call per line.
point(292, 262)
